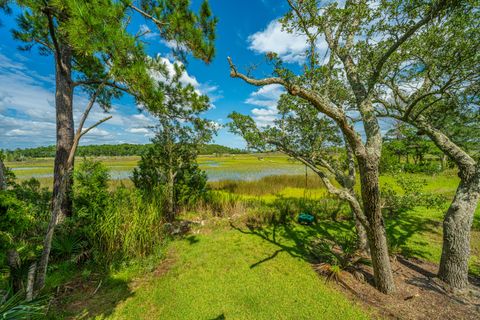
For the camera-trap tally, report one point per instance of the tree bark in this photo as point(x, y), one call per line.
point(456, 232)
point(65, 125)
point(458, 220)
point(362, 239)
point(171, 196)
point(443, 162)
point(59, 197)
point(14, 264)
point(3, 176)
point(30, 281)
point(377, 239)
point(47, 242)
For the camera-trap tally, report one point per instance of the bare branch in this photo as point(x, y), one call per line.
point(149, 16)
point(262, 82)
point(95, 125)
point(321, 102)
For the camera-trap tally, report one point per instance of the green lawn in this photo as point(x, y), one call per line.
point(225, 274)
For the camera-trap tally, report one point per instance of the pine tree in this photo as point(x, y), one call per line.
point(91, 46)
point(94, 51)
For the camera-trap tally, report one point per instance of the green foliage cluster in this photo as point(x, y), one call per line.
point(169, 166)
point(23, 215)
point(409, 196)
point(108, 226)
point(130, 227)
point(76, 240)
point(24, 211)
point(336, 255)
point(405, 149)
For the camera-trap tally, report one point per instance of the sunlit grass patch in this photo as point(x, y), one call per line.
point(234, 275)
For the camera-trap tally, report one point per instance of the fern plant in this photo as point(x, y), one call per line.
point(336, 256)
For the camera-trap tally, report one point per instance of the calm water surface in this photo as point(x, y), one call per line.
point(212, 168)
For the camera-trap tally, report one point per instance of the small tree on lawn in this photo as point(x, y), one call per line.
point(169, 166)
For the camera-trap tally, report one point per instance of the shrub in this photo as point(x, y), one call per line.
point(411, 196)
point(90, 189)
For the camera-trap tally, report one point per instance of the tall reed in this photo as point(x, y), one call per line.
point(131, 226)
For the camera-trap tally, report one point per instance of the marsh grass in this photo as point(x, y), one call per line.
point(268, 185)
point(130, 226)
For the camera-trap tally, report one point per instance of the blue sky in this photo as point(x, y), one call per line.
point(246, 30)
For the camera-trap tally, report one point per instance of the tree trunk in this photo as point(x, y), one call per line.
point(3, 176)
point(459, 217)
point(30, 281)
point(456, 232)
point(65, 125)
point(171, 196)
point(377, 239)
point(47, 241)
point(362, 240)
point(14, 264)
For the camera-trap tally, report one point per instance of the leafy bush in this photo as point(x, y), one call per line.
point(90, 189)
point(411, 195)
point(30, 191)
point(169, 167)
point(424, 167)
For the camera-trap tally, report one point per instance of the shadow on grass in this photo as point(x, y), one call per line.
point(402, 228)
point(295, 239)
point(82, 299)
point(192, 239)
point(289, 239)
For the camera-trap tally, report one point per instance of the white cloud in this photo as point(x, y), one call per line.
point(18, 132)
point(210, 90)
point(147, 32)
point(290, 47)
point(27, 110)
point(266, 98)
point(99, 132)
point(138, 130)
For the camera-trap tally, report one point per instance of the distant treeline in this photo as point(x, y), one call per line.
point(124, 149)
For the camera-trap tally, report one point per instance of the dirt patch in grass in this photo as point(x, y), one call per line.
point(420, 295)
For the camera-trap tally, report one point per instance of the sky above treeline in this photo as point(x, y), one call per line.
point(246, 31)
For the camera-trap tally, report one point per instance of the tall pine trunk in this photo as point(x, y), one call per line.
point(3, 176)
point(65, 125)
point(456, 231)
point(377, 239)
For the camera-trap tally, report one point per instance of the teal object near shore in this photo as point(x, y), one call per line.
point(305, 218)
